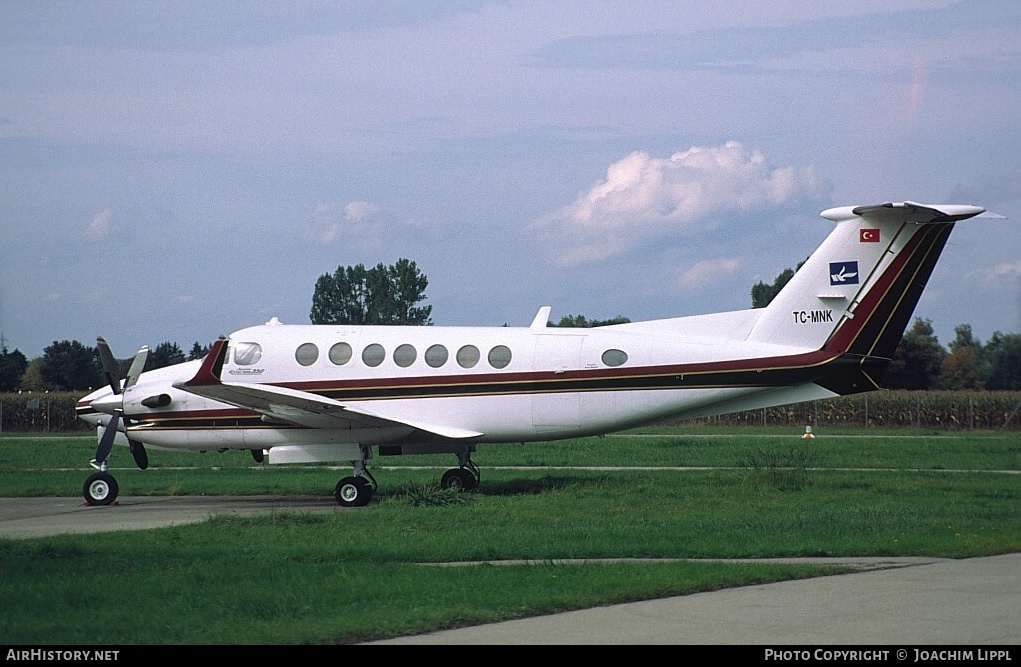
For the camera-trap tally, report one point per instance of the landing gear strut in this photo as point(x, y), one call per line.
point(463, 478)
point(356, 491)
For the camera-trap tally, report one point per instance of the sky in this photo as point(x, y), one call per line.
point(174, 171)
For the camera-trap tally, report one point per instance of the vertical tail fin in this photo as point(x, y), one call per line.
point(855, 295)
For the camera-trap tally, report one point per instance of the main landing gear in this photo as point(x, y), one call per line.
point(463, 478)
point(357, 490)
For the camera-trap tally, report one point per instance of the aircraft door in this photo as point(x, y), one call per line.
point(554, 411)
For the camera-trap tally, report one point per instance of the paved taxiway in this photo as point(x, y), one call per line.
point(39, 517)
point(947, 602)
point(913, 601)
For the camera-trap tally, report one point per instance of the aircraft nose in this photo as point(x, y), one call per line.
point(108, 403)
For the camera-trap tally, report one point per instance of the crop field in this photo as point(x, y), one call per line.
point(351, 575)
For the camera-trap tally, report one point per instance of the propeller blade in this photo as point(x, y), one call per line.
point(257, 455)
point(110, 367)
point(136, 367)
point(106, 442)
point(138, 452)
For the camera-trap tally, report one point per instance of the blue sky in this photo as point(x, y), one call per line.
point(173, 171)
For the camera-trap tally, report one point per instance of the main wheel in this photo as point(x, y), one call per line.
point(100, 489)
point(459, 479)
point(353, 492)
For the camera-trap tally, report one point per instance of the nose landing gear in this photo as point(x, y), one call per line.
point(100, 488)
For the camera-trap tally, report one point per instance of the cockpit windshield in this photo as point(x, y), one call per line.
point(247, 354)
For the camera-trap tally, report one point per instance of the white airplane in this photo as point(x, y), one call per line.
point(315, 393)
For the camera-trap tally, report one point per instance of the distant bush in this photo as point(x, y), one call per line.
point(41, 411)
point(984, 410)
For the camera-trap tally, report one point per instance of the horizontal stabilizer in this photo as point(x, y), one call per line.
point(902, 212)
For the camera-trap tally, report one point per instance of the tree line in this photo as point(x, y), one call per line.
point(921, 362)
point(69, 365)
point(392, 295)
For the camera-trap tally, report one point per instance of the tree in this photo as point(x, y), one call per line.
point(579, 321)
point(380, 295)
point(1002, 357)
point(32, 380)
point(916, 363)
point(71, 366)
point(961, 368)
point(198, 351)
point(12, 368)
point(165, 354)
point(762, 293)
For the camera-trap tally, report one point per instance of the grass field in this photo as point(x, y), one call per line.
point(352, 575)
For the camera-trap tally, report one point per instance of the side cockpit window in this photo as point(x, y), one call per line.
point(247, 354)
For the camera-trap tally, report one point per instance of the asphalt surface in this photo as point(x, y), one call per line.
point(888, 602)
point(39, 517)
point(940, 602)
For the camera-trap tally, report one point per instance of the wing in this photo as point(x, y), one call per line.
point(297, 407)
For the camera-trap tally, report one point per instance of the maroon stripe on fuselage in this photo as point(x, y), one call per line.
point(368, 385)
point(765, 372)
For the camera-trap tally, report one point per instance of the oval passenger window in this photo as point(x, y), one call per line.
point(614, 357)
point(468, 356)
point(340, 353)
point(436, 356)
point(499, 356)
point(405, 355)
point(306, 354)
point(373, 355)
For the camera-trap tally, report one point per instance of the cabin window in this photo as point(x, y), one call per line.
point(436, 356)
point(614, 357)
point(246, 354)
point(468, 356)
point(340, 353)
point(405, 355)
point(306, 354)
point(499, 356)
point(373, 355)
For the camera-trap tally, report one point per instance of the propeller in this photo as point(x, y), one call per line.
point(115, 404)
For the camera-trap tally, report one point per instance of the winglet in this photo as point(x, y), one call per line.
point(212, 365)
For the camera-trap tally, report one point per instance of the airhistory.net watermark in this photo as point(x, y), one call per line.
point(61, 655)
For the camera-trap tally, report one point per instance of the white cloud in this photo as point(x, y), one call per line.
point(329, 220)
point(357, 211)
point(1005, 269)
point(707, 272)
point(998, 272)
point(99, 227)
point(643, 198)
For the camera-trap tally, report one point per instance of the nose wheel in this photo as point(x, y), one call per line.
point(100, 489)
